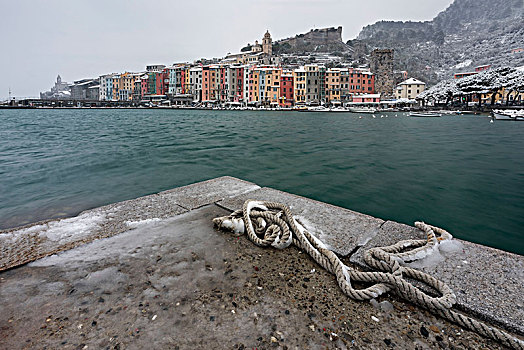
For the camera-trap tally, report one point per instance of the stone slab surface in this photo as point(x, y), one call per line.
point(342, 229)
point(177, 283)
point(488, 283)
point(24, 244)
point(206, 192)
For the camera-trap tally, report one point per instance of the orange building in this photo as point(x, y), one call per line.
point(210, 83)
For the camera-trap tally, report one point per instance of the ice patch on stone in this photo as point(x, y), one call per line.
point(66, 230)
point(248, 189)
point(308, 226)
point(449, 247)
point(135, 224)
point(113, 247)
point(302, 229)
point(236, 225)
point(437, 255)
point(364, 240)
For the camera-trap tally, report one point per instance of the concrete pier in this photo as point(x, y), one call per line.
point(153, 272)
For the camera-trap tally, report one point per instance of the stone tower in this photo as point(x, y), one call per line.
point(267, 44)
point(382, 66)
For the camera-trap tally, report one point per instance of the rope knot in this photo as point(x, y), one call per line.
point(270, 223)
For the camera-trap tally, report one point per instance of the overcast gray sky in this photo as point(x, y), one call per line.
point(80, 39)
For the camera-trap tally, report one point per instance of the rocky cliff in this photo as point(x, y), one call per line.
point(468, 33)
point(316, 40)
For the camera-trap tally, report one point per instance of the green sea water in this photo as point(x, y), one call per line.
point(461, 173)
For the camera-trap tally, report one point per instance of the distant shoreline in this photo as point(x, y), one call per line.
point(407, 110)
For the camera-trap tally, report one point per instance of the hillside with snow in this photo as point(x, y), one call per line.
point(468, 33)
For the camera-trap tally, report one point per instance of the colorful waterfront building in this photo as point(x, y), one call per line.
point(194, 86)
point(115, 86)
point(137, 90)
point(345, 84)
point(245, 87)
point(187, 78)
point(236, 84)
point(223, 83)
point(333, 85)
point(123, 91)
point(286, 89)
point(105, 92)
point(314, 83)
point(156, 82)
point(144, 85)
point(409, 89)
point(269, 85)
point(299, 88)
point(361, 81)
point(254, 87)
point(176, 79)
point(366, 98)
point(210, 83)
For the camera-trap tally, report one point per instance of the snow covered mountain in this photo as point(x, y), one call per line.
point(468, 33)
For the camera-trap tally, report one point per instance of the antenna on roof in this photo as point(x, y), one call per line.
point(9, 93)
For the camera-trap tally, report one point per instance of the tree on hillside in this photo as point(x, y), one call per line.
point(515, 84)
point(490, 81)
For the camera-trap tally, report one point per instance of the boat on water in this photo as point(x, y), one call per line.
point(362, 109)
point(339, 109)
point(424, 114)
point(318, 109)
point(508, 114)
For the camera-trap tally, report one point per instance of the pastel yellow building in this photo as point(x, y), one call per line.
point(299, 85)
point(254, 85)
point(269, 85)
point(410, 89)
point(123, 86)
point(333, 92)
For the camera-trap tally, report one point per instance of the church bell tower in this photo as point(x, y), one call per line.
point(267, 44)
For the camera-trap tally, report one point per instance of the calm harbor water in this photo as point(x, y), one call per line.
point(458, 172)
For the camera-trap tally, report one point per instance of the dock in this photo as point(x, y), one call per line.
point(153, 272)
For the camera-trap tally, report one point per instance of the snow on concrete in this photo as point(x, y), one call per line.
point(66, 230)
point(126, 243)
point(135, 224)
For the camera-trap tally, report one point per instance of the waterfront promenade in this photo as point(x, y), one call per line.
point(153, 272)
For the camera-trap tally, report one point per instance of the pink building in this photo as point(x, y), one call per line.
point(143, 85)
point(367, 98)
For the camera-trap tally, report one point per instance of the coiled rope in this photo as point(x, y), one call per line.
point(270, 223)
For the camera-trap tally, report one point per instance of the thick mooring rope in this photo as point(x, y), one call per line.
point(270, 223)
